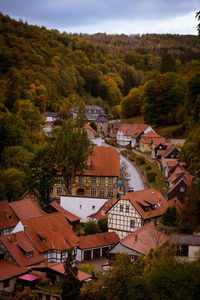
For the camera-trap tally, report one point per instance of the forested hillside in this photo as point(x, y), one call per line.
point(157, 76)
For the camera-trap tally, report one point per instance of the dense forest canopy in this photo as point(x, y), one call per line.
point(157, 76)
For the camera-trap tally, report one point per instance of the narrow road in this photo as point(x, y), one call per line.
point(135, 181)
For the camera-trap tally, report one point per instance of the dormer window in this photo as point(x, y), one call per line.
point(42, 238)
point(29, 254)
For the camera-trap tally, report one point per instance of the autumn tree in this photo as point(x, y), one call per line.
point(72, 148)
point(91, 227)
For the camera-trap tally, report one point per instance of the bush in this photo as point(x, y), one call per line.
point(103, 224)
point(91, 227)
point(139, 160)
point(132, 157)
point(151, 175)
point(147, 167)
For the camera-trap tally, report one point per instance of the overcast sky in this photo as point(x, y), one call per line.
point(110, 16)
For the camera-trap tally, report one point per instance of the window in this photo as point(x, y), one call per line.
point(127, 208)
point(110, 180)
point(6, 283)
point(93, 180)
point(110, 192)
point(93, 192)
point(51, 191)
point(121, 208)
point(80, 180)
point(59, 191)
point(103, 212)
point(182, 189)
point(80, 206)
point(102, 180)
point(132, 223)
point(93, 207)
point(132, 258)
point(102, 192)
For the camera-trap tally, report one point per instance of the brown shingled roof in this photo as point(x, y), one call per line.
point(7, 216)
point(104, 161)
point(144, 239)
point(25, 209)
point(98, 240)
point(138, 199)
point(9, 270)
point(51, 232)
point(17, 245)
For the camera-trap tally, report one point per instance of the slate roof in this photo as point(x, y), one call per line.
point(17, 245)
point(51, 232)
point(152, 199)
point(144, 239)
point(169, 150)
point(25, 209)
point(9, 270)
point(98, 240)
point(68, 215)
point(186, 239)
point(7, 217)
point(104, 161)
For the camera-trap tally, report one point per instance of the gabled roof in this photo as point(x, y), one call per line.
point(187, 179)
point(7, 217)
point(144, 239)
point(157, 207)
point(177, 203)
point(25, 209)
point(157, 141)
point(104, 208)
point(169, 150)
point(151, 134)
point(9, 270)
point(104, 161)
point(51, 232)
point(59, 268)
point(88, 127)
point(133, 130)
point(68, 215)
point(98, 240)
point(18, 244)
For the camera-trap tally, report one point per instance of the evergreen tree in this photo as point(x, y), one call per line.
point(71, 284)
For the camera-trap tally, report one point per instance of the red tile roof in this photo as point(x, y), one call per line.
point(144, 239)
point(25, 209)
point(17, 245)
point(7, 216)
point(104, 161)
point(88, 127)
point(51, 232)
point(72, 218)
point(139, 198)
point(133, 129)
point(102, 212)
point(177, 203)
point(98, 240)
point(157, 141)
point(9, 270)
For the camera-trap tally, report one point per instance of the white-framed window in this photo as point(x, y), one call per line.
point(93, 192)
point(51, 191)
point(110, 192)
point(102, 180)
point(80, 180)
point(121, 208)
point(103, 212)
point(102, 192)
point(127, 208)
point(93, 180)
point(132, 223)
point(93, 207)
point(59, 191)
point(110, 180)
point(182, 189)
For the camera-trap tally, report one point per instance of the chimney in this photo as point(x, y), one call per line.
point(136, 237)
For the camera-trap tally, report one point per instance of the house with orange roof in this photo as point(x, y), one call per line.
point(140, 242)
point(91, 133)
point(9, 272)
point(133, 210)
point(8, 220)
point(101, 178)
point(102, 212)
point(25, 209)
point(130, 134)
point(52, 235)
point(20, 250)
point(95, 245)
point(55, 207)
point(158, 147)
point(147, 140)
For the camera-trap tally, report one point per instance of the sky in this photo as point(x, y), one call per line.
point(107, 16)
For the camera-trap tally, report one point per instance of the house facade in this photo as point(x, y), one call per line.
point(146, 140)
point(101, 178)
point(102, 125)
point(134, 210)
point(187, 246)
point(8, 219)
point(92, 112)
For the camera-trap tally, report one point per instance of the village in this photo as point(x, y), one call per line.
point(134, 175)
